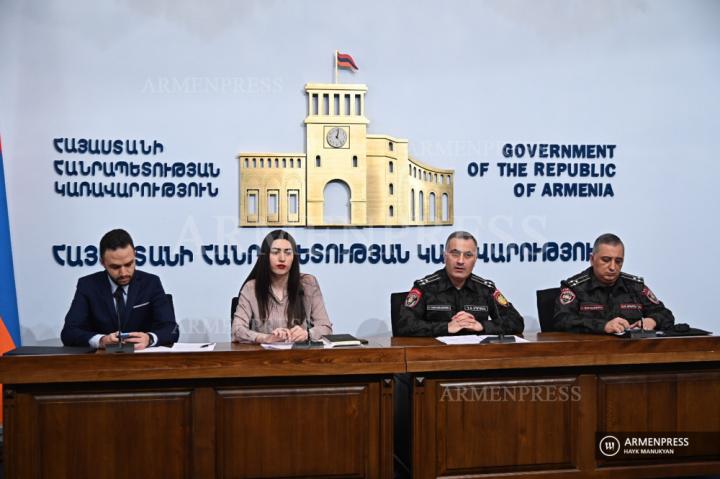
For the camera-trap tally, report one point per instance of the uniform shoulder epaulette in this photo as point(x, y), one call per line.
point(483, 281)
point(431, 278)
point(578, 279)
point(632, 277)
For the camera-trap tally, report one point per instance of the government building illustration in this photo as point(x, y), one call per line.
point(346, 177)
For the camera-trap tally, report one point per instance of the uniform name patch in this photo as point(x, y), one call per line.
point(566, 296)
point(631, 306)
point(591, 307)
point(413, 297)
point(438, 307)
point(472, 307)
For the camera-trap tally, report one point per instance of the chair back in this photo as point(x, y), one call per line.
point(546, 308)
point(396, 301)
point(233, 307)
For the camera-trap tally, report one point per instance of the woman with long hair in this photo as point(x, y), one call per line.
point(277, 303)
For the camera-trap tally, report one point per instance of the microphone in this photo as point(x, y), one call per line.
point(308, 321)
point(121, 346)
point(307, 344)
point(642, 332)
point(500, 338)
point(309, 325)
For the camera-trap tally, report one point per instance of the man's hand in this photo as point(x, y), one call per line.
point(616, 325)
point(108, 339)
point(140, 340)
point(298, 334)
point(464, 320)
point(647, 323)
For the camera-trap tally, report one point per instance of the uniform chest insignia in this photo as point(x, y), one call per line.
point(500, 299)
point(567, 296)
point(438, 307)
point(413, 297)
point(650, 295)
point(592, 307)
point(473, 307)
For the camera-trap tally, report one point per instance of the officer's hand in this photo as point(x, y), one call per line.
point(616, 325)
point(473, 325)
point(464, 320)
point(454, 325)
point(463, 315)
point(647, 323)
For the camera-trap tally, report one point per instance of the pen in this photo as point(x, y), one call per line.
point(206, 345)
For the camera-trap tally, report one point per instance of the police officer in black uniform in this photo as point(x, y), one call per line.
point(602, 299)
point(455, 301)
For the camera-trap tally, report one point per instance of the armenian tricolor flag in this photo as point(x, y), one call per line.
point(9, 324)
point(344, 60)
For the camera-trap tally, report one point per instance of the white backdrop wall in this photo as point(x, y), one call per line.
point(458, 79)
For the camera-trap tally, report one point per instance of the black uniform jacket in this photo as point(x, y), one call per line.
point(433, 301)
point(584, 304)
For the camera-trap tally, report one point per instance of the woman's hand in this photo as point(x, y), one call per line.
point(298, 334)
point(279, 335)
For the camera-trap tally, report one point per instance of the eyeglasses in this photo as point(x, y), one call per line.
point(456, 254)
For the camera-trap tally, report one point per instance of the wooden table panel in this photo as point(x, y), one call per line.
point(556, 350)
point(312, 412)
point(651, 385)
point(663, 402)
point(291, 431)
point(113, 434)
point(501, 424)
point(227, 361)
point(225, 413)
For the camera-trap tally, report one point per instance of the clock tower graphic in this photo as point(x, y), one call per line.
point(346, 177)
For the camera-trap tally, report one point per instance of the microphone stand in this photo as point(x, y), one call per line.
point(121, 347)
point(642, 333)
point(500, 338)
point(307, 344)
point(309, 325)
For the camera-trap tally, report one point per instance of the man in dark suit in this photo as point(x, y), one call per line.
point(119, 299)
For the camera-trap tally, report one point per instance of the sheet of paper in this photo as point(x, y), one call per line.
point(473, 339)
point(180, 348)
point(277, 345)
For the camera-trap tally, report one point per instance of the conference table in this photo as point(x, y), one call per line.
point(499, 409)
point(408, 406)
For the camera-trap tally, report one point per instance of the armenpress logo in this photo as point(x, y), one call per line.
point(609, 446)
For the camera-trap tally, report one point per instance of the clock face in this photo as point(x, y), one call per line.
point(336, 137)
